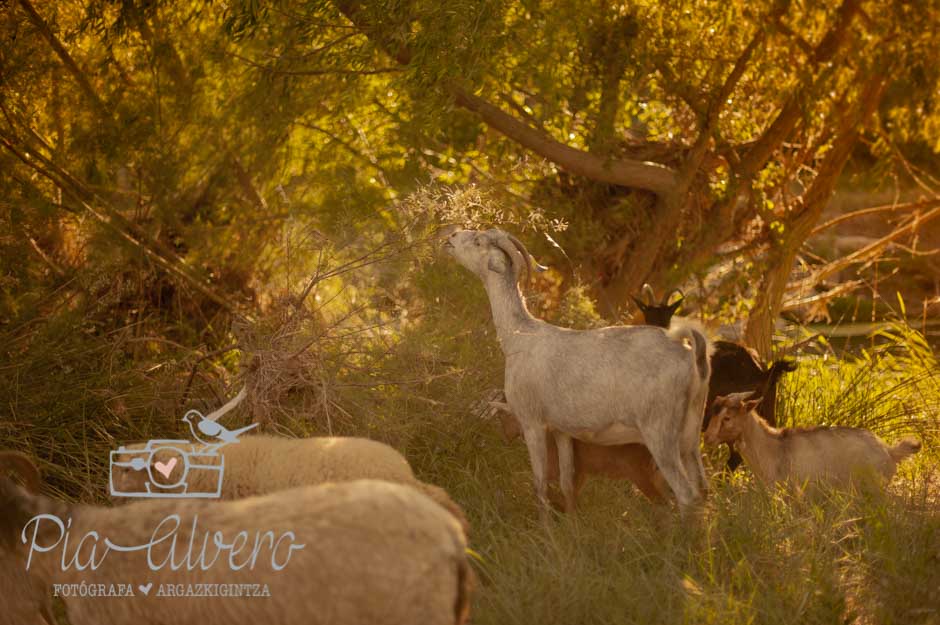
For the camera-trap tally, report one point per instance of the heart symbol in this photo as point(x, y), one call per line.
point(165, 468)
point(146, 589)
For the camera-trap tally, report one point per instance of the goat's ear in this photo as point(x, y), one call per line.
point(673, 307)
point(751, 404)
point(719, 401)
point(643, 307)
point(497, 263)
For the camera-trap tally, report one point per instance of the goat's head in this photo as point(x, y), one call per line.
point(492, 251)
point(658, 314)
point(730, 416)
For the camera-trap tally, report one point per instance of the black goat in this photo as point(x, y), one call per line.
point(735, 368)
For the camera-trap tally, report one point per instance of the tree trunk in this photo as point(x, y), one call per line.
point(760, 323)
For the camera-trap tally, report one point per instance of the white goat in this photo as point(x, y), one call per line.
point(607, 386)
point(838, 455)
point(339, 554)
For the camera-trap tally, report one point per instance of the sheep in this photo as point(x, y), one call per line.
point(366, 551)
point(841, 456)
point(262, 464)
point(609, 386)
point(735, 368)
point(25, 600)
point(618, 462)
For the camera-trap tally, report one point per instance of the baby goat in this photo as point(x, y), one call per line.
point(840, 455)
point(631, 461)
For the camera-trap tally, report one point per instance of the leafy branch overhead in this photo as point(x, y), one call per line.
point(672, 139)
point(709, 150)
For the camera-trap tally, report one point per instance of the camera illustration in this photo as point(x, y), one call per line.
point(166, 469)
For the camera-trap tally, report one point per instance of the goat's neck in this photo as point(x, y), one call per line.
point(510, 316)
point(761, 447)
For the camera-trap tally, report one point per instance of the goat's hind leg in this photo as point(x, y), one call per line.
point(691, 452)
point(668, 457)
point(535, 439)
point(566, 476)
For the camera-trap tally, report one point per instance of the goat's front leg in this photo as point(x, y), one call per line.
point(566, 469)
point(535, 441)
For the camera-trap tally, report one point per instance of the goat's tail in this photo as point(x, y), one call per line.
point(903, 448)
point(780, 367)
point(685, 329)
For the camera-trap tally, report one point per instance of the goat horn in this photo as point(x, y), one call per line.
point(670, 294)
point(525, 255)
point(650, 298)
point(21, 465)
point(500, 239)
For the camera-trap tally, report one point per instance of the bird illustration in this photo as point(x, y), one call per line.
point(199, 424)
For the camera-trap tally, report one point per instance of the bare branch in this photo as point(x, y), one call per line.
point(875, 248)
point(872, 210)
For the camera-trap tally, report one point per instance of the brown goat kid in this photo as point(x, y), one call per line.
point(842, 456)
point(631, 462)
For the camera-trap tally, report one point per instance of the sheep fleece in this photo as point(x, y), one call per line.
point(260, 464)
point(375, 552)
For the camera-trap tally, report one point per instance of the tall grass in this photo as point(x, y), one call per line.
point(755, 555)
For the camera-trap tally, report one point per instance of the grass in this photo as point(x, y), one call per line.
point(754, 555)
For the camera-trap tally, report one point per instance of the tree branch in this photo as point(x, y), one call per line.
point(874, 209)
point(760, 152)
point(874, 248)
point(625, 172)
point(113, 219)
point(770, 295)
